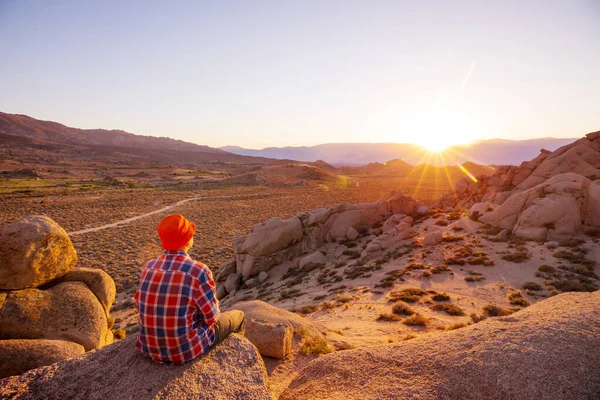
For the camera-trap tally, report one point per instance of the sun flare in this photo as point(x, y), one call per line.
point(442, 127)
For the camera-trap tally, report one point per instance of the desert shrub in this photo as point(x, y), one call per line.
point(482, 260)
point(441, 222)
point(455, 261)
point(401, 308)
point(386, 282)
point(449, 309)
point(475, 216)
point(532, 286)
point(414, 266)
point(575, 258)
point(416, 320)
point(388, 317)
point(308, 309)
point(294, 282)
point(453, 238)
point(516, 257)
point(354, 254)
point(571, 242)
point(344, 299)
point(328, 305)
point(440, 297)
point(517, 299)
point(580, 284)
point(350, 244)
point(496, 311)
point(110, 322)
point(316, 345)
point(477, 278)
point(119, 333)
point(320, 297)
point(439, 269)
point(425, 274)
point(409, 295)
point(546, 268)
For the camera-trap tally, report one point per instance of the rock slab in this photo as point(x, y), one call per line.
point(271, 340)
point(232, 370)
point(20, 355)
point(546, 351)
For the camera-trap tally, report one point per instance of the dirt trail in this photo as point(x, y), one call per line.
point(167, 208)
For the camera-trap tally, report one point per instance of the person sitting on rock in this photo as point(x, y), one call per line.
point(179, 316)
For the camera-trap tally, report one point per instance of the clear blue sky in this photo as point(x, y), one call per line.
point(261, 73)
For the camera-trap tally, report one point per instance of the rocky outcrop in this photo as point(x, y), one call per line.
point(581, 157)
point(21, 355)
point(546, 351)
point(65, 313)
point(553, 210)
point(232, 370)
point(276, 241)
point(34, 251)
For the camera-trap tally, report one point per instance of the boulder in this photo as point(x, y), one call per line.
point(358, 219)
point(252, 282)
point(221, 292)
point(271, 339)
point(34, 251)
point(351, 234)
point(263, 276)
point(233, 282)
point(318, 216)
point(546, 351)
point(232, 370)
point(225, 270)
point(373, 247)
point(98, 281)
point(312, 261)
point(433, 238)
point(272, 236)
point(502, 236)
point(68, 311)
point(391, 222)
point(20, 355)
point(260, 311)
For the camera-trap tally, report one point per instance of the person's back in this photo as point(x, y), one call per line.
point(177, 308)
point(179, 317)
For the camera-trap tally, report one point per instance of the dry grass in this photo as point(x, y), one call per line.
point(401, 308)
point(388, 317)
point(416, 320)
point(449, 309)
point(409, 295)
point(440, 297)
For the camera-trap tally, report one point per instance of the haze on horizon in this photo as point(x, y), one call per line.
point(267, 73)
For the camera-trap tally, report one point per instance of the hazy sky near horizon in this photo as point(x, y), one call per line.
point(276, 73)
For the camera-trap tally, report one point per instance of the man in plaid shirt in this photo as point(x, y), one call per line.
point(179, 316)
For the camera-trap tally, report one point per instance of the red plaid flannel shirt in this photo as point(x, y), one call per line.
point(178, 308)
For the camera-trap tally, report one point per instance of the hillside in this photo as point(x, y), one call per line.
point(23, 125)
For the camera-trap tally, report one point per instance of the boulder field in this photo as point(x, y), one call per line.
point(581, 157)
point(299, 238)
point(49, 311)
point(546, 351)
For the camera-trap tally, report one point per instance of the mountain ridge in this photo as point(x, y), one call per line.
point(489, 152)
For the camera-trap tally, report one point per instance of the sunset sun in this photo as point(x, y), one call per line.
point(440, 129)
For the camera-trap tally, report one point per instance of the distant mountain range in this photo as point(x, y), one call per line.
point(488, 152)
